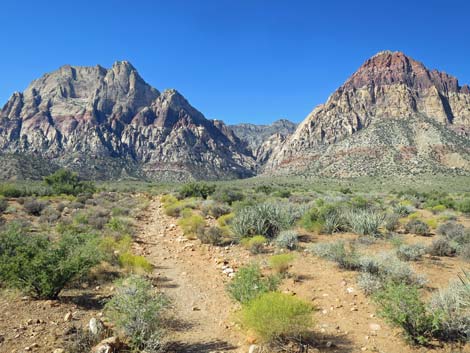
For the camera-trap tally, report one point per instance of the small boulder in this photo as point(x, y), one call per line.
point(95, 326)
point(108, 345)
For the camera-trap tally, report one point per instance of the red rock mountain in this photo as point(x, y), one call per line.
point(392, 116)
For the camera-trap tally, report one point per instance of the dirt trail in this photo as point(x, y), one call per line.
point(191, 277)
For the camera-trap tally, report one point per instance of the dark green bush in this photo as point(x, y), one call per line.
point(66, 182)
point(42, 267)
point(249, 283)
point(401, 305)
point(198, 189)
point(228, 195)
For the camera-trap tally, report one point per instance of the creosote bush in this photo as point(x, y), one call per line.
point(275, 317)
point(37, 265)
point(66, 182)
point(191, 224)
point(249, 283)
point(135, 263)
point(136, 311)
point(196, 189)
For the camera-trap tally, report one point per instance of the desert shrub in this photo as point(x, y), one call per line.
point(387, 268)
point(345, 256)
point(287, 239)
point(283, 193)
point(264, 189)
point(391, 221)
point(249, 283)
point(369, 283)
point(464, 252)
point(401, 305)
point(451, 309)
point(255, 244)
point(211, 235)
point(432, 223)
point(111, 246)
point(276, 317)
point(443, 247)
point(311, 220)
point(118, 211)
point(65, 182)
point(228, 195)
point(418, 227)
point(191, 225)
point(225, 220)
point(136, 311)
point(265, 219)
point(3, 205)
point(168, 198)
point(49, 215)
point(447, 216)
point(411, 252)
point(280, 263)
point(464, 206)
point(42, 267)
point(135, 263)
point(438, 209)
point(74, 205)
point(333, 218)
point(120, 226)
point(196, 189)
point(403, 210)
point(215, 209)
point(454, 231)
point(34, 207)
point(174, 209)
point(365, 221)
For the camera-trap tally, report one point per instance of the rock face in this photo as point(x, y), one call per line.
point(264, 140)
point(393, 116)
point(109, 123)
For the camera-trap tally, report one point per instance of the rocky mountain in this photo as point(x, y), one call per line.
point(393, 116)
point(109, 123)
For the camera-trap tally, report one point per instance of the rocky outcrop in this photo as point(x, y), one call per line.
point(109, 123)
point(392, 116)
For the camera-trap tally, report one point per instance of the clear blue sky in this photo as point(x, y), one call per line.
point(235, 60)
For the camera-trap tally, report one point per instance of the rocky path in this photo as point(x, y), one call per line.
point(190, 275)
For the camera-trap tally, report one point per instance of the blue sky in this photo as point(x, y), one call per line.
point(238, 60)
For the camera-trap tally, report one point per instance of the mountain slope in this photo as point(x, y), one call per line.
point(393, 116)
point(111, 124)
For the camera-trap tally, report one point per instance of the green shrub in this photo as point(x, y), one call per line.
point(34, 207)
point(65, 182)
point(276, 317)
point(418, 227)
point(411, 252)
point(365, 221)
point(174, 209)
point(119, 225)
point(443, 247)
point(42, 267)
point(135, 263)
point(209, 207)
point(211, 235)
point(225, 220)
point(248, 283)
point(254, 244)
point(312, 220)
point(196, 189)
point(136, 311)
point(228, 195)
point(401, 305)
point(191, 225)
point(287, 239)
point(403, 210)
point(464, 206)
point(438, 209)
point(345, 256)
point(280, 263)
